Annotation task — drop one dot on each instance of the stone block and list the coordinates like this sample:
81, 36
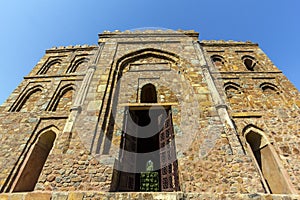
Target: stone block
38, 196
212, 163
4, 196
60, 196
76, 196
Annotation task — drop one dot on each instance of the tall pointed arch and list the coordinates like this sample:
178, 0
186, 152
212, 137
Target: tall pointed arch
30, 96
167, 171
34, 161
274, 177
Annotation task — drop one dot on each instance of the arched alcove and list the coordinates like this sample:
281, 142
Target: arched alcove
34, 163
249, 62
269, 88
28, 101
218, 61
131, 173
232, 89
274, 177
55, 63
271, 95
62, 100
65, 101
148, 94
77, 64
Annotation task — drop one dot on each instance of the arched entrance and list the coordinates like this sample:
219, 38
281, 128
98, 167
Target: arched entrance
148, 137
137, 145
275, 179
28, 177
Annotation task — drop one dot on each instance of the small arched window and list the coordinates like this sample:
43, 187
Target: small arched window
249, 62
35, 162
218, 60
148, 94
232, 89
269, 88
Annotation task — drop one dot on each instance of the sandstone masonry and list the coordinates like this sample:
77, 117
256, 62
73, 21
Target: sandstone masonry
216, 119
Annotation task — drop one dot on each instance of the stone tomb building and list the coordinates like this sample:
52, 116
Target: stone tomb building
152, 114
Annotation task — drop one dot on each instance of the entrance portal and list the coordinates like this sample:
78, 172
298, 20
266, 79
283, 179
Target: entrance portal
148, 154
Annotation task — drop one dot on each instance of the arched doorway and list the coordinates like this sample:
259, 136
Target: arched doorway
275, 179
30, 173
148, 136
148, 94
126, 168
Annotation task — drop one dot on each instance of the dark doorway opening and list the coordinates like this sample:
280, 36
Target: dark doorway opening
147, 144
35, 163
148, 94
265, 157
143, 142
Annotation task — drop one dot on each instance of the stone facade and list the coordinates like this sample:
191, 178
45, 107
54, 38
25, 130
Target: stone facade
233, 114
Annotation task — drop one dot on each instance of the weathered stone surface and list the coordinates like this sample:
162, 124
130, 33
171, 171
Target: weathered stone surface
4, 197
89, 195
80, 93
37, 196
60, 196
75, 196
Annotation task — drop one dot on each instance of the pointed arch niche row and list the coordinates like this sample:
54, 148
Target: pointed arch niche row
274, 177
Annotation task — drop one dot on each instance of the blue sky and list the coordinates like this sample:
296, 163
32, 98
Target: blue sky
30, 27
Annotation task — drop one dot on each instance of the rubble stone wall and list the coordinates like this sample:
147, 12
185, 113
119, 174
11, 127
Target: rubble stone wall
82, 91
